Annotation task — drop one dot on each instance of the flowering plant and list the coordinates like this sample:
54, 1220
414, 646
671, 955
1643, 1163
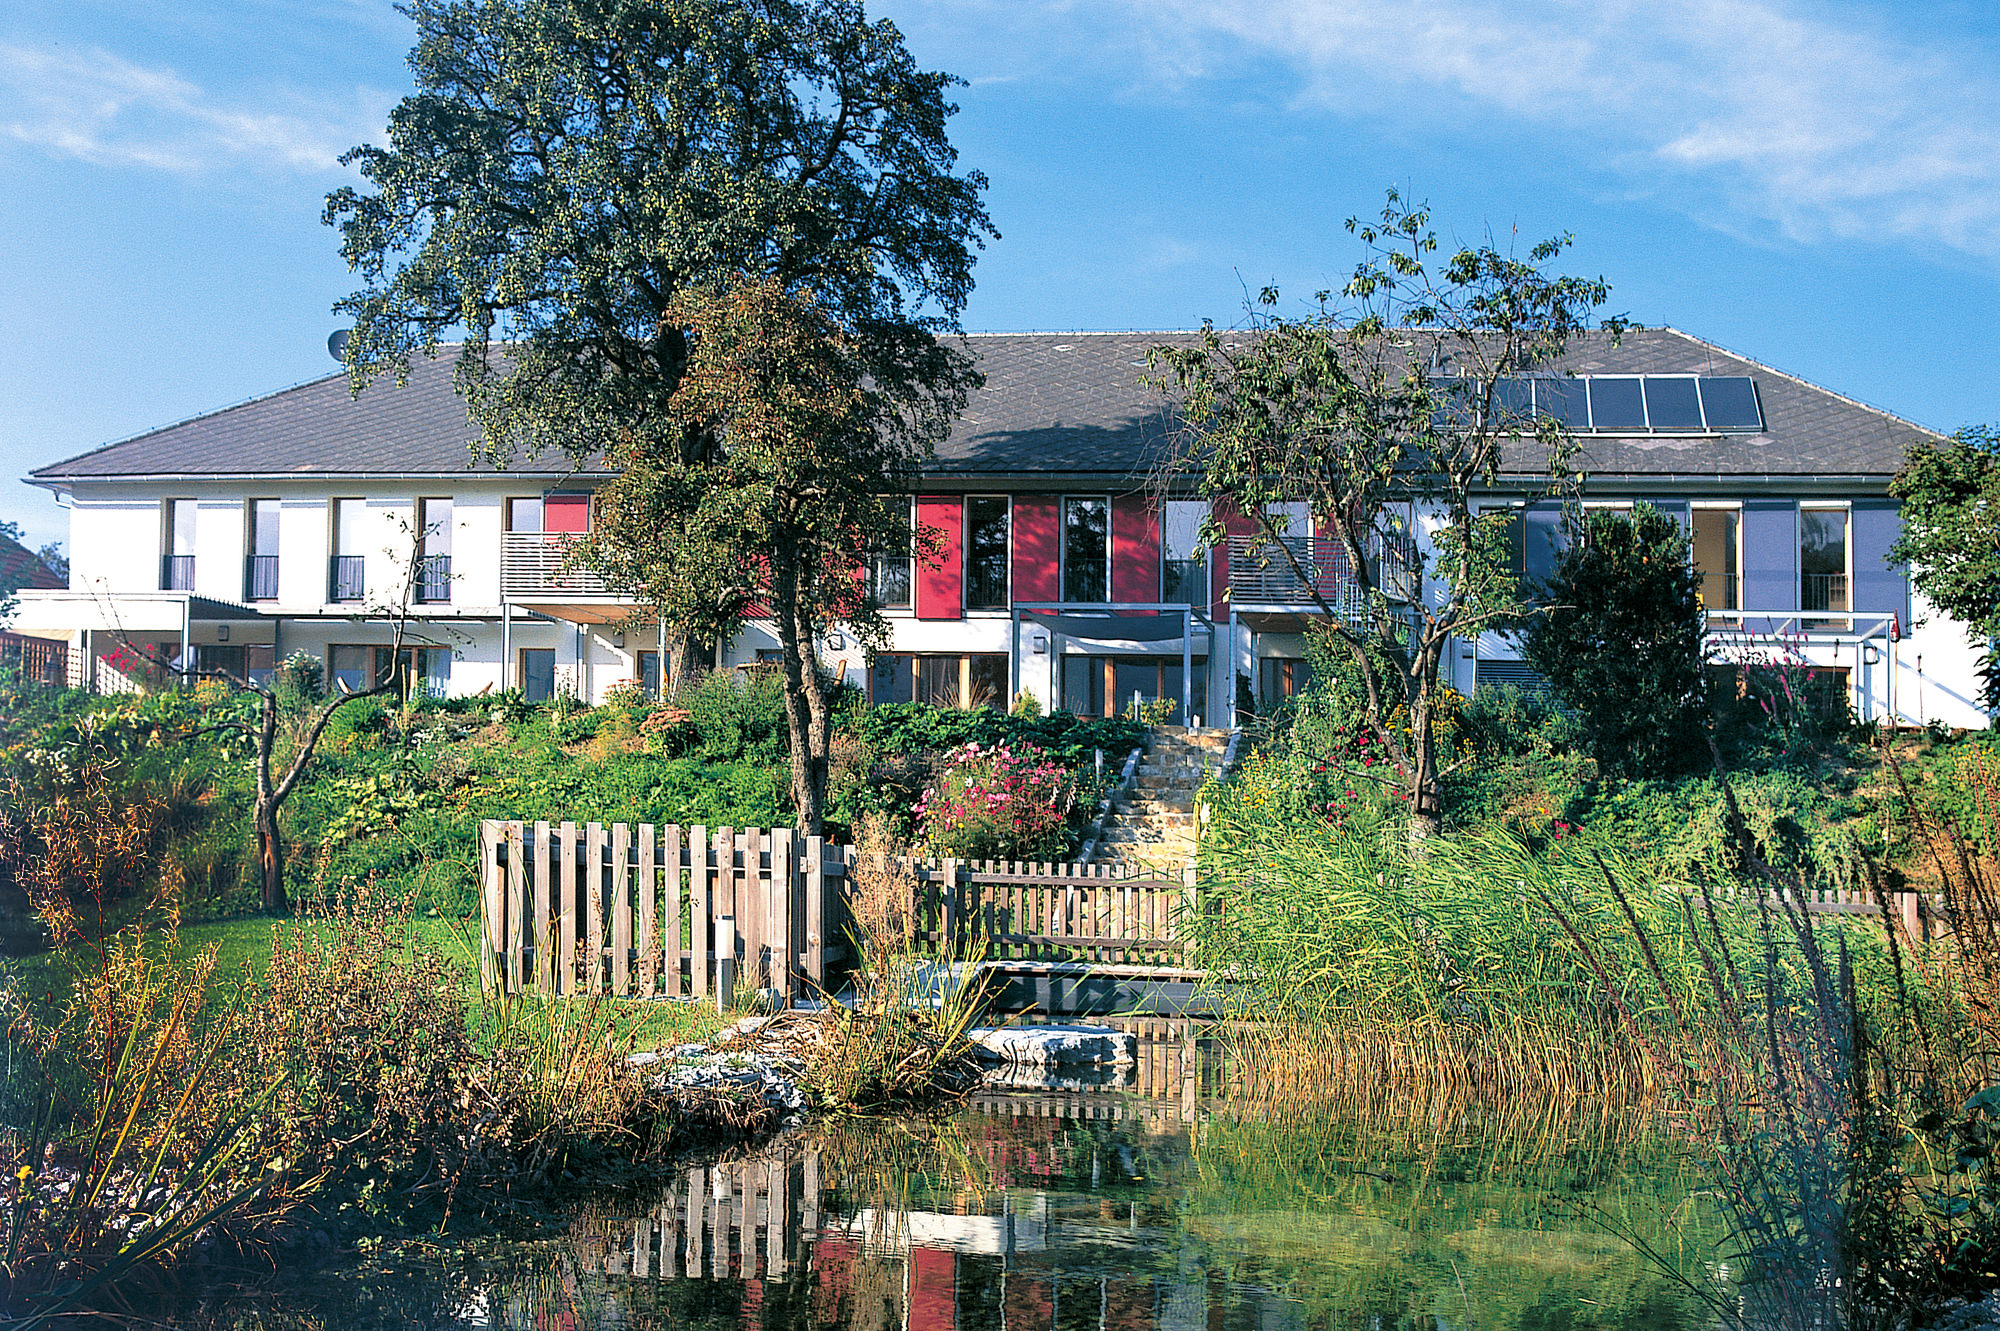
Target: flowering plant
1000, 801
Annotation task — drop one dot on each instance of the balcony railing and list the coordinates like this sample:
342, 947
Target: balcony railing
1262, 574
176, 573
260, 577
347, 578
433, 578
1718, 594
534, 562
1823, 592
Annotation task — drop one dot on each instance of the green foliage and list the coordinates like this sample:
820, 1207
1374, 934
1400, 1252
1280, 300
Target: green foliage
1621, 643
1344, 409
1951, 535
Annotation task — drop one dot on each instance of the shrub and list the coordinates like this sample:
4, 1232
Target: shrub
1621, 643
1006, 802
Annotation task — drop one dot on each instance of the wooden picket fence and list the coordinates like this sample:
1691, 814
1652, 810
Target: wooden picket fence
666, 911
657, 911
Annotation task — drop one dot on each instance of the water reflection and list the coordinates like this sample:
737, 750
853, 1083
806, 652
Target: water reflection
1107, 1209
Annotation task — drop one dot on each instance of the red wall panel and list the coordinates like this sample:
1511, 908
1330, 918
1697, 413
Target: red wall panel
933, 1289
1135, 549
1037, 548
569, 513
1235, 523
940, 582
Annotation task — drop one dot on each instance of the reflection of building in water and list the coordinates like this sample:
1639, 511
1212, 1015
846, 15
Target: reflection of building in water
1018, 1259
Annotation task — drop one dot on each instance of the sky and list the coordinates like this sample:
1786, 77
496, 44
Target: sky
1816, 186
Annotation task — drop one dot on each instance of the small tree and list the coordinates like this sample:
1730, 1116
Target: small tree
1951, 536
1385, 412
803, 476
1621, 642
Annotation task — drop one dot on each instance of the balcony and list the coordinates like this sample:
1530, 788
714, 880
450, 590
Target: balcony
176, 573
1262, 574
432, 577
347, 578
534, 563
260, 577
1718, 594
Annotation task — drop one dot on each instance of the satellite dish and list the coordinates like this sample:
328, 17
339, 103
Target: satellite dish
336, 344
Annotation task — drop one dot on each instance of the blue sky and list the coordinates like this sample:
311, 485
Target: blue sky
1815, 185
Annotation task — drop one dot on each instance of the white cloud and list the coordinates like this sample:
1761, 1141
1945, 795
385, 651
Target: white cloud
1816, 128
99, 107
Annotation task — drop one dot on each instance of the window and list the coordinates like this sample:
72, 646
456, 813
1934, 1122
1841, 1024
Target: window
1823, 559
1717, 536
538, 673
177, 553
649, 671
1280, 679
889, 576
986, 553
1086, 571
1183, 571
524, 514
567, 513
347, 573
942, 681
260, 565
358, 669
432, 576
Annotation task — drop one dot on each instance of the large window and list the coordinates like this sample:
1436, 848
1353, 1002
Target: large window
260, 565
538, 673
177, 552
433, 571
1086, 571
1823, 559
889, 577
524, 514
347, 574
1183, 571
1717, 537
986, 553
357, 669
942, 681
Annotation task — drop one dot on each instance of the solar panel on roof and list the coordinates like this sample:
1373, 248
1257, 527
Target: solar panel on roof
1671, 403
1616, 403
1564, 399
1513, 401
1730, 402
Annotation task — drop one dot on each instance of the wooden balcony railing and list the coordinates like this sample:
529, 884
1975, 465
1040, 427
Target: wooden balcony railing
533, 562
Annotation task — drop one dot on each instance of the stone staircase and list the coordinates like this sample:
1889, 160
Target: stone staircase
1152, 825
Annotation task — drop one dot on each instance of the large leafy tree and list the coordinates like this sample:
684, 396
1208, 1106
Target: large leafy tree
1951, 535
1621, 642
573, 178
804, 474
1387, 410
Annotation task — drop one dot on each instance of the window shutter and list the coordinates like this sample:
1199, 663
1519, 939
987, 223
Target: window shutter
1770, 558
940, 585
1135, 549
1880, 588
1037, 548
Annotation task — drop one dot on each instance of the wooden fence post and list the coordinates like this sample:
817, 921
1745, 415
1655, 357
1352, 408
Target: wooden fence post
621, 909
671, 904
490, 889
814, 881
698, 918
725, 962
545, 942
784, 886
594, 906
649, 937
514, 928
948, 909
566, 909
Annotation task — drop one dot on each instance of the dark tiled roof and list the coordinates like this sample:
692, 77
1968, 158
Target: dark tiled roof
21, 567
1054, 405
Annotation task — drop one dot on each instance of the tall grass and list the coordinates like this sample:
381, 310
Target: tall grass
1487, 962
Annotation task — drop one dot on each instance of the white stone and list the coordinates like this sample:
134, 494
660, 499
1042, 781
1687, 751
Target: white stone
1043, 1045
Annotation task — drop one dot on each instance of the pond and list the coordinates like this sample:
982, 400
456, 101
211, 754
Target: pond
1105, 1208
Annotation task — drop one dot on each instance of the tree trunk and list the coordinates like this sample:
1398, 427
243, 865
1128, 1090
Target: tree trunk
806, 790
270, 842
679, 663
1426, 786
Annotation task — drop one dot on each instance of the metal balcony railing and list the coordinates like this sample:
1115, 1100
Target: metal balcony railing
1719, 594
347, 578
176, 573
433, 578
533, 562
1823, 592
1261, 574
260, 577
